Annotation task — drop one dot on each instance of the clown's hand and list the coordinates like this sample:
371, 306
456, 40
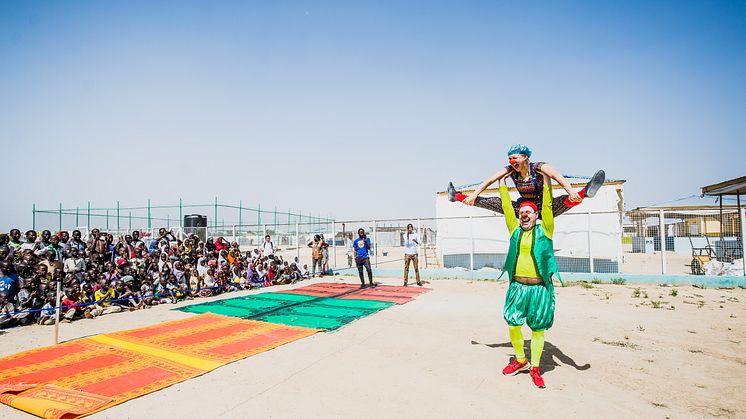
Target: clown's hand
469, 200
574, 196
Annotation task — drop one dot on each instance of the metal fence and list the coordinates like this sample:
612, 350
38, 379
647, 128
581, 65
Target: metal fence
681, 242
694, 242
150, 215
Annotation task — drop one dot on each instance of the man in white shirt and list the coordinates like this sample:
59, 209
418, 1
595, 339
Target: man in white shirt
31, 243
269, 247
411, 247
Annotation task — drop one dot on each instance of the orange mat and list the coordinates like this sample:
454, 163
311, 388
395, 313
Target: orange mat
393, 294
87, 375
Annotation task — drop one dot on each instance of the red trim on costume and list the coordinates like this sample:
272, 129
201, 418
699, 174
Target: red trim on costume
574, 204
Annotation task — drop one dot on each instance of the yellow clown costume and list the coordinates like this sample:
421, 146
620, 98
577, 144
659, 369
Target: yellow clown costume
530, 265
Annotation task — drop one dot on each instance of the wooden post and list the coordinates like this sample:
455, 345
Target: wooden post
662, 234
57, 314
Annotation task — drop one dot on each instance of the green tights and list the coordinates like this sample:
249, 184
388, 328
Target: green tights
537, 344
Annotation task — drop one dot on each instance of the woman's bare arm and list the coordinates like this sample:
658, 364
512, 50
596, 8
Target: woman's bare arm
469, 200
554, 174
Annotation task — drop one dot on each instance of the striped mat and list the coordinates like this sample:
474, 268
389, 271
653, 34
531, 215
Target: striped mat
392, 294
292, 309
86, 375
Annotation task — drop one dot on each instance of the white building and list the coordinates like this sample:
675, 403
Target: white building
590, 233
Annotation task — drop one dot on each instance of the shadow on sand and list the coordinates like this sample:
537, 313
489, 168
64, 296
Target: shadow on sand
550, 359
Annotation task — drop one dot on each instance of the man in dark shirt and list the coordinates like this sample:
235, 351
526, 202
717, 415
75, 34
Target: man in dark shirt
98, 247
77, 243
362, 247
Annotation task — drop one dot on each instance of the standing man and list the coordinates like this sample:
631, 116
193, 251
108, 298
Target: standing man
77, 243
268, 249
96, 245
362, 247
411, 247
530, 265
349, 257
324, 255
317, 255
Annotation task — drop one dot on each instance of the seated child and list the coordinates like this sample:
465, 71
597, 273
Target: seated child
47, 315
6, 311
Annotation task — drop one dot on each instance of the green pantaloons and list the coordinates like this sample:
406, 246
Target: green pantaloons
530, 304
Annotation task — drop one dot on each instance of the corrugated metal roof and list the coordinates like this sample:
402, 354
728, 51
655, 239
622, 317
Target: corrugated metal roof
733, 187
693, 202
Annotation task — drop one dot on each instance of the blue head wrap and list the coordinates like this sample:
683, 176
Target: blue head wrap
519, 149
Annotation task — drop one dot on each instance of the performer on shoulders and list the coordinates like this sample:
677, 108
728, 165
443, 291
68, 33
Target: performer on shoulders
529, 180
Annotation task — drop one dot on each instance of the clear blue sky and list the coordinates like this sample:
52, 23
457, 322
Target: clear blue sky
361, 109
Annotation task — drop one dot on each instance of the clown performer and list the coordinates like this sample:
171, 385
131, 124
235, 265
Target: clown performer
530, 265
528, 178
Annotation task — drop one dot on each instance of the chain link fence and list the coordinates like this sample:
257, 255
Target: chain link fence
669, 242
695, 242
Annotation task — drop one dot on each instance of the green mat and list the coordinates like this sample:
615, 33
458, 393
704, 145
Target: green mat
292, 309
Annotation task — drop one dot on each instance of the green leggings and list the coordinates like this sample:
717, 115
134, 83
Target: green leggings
537, 344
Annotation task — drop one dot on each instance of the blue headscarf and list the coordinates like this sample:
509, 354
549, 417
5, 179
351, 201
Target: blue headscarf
519, 149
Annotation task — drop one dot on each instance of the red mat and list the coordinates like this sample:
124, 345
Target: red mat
86, 375
390, 293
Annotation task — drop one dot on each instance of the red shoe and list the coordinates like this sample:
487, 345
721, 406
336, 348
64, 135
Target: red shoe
536, 377
515, 367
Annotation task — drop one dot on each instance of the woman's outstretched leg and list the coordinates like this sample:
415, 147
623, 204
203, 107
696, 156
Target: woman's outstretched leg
589, 191
492, 203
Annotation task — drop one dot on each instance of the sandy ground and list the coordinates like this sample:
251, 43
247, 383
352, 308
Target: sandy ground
611, 353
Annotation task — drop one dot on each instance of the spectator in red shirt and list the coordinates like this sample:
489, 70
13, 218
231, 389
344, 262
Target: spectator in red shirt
220, 244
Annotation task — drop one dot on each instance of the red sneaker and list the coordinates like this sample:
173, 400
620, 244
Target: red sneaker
536, 377
515, 367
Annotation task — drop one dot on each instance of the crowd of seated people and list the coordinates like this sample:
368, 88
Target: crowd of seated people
104, 274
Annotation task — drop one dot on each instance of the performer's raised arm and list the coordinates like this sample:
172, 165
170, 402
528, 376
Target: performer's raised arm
547, 216
510, 219
554, 174
469, 200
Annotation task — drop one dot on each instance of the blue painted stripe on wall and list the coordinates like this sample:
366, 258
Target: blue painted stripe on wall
492, 275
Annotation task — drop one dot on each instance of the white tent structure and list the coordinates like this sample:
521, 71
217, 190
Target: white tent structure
588, 238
